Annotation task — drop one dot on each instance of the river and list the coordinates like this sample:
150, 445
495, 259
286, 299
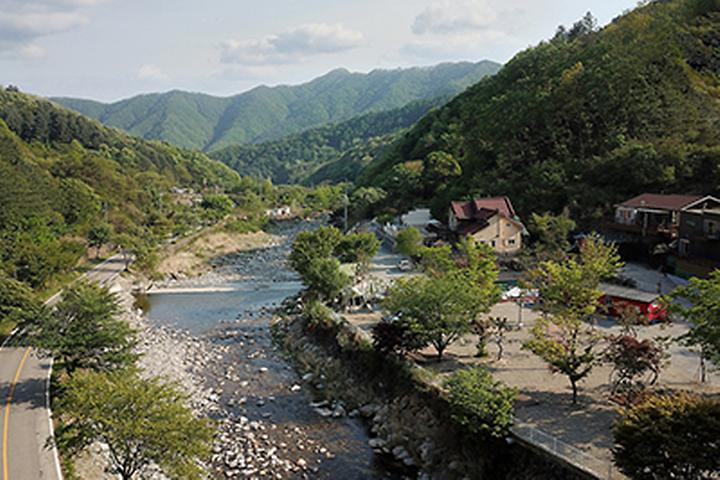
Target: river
231, 308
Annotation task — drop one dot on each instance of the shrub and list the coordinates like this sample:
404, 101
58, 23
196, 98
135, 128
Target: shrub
395, 338
480, 403
669, 437
317, 315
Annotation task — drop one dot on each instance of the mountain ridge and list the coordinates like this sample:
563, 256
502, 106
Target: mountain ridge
579, 122
265, 113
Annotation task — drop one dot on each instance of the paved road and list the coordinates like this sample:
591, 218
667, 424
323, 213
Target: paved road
27, 453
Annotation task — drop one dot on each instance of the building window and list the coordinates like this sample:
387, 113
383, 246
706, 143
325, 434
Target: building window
511, 241
492, 242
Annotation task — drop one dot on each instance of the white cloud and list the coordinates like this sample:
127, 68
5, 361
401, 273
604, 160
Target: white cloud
151, 72
33, 25
292, 45
24, 22
455, 16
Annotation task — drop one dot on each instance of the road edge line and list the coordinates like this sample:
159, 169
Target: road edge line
6, 418
51, 426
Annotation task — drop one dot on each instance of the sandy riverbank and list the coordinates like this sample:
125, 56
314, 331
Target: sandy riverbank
197, 256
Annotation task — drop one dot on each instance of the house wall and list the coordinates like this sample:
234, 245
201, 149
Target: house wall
452, 221
503, 235
700, 234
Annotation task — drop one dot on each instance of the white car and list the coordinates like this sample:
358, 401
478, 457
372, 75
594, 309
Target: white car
405, 265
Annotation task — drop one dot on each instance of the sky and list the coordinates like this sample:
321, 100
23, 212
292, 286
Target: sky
112, 49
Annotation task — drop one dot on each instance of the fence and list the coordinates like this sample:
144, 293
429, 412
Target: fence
601, 469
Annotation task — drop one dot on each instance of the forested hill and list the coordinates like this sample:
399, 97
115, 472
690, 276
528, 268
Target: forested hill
65, 178
583, 120
204, 122
299, 157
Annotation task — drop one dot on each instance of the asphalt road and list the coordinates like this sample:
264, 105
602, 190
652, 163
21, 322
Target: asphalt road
25, 438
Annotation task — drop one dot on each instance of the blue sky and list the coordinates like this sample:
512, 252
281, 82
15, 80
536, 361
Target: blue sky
111, 49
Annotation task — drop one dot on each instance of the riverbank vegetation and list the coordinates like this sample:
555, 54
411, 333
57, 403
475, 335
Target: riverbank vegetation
99, 395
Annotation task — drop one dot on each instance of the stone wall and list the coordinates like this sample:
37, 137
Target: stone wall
403, 406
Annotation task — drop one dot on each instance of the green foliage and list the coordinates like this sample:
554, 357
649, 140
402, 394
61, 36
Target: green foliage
443, 306
669, 437
84, 330
318, 315
210, 123
99, 235
357, 247
480, 403
409, 241
552, 236
308, 246
564, 337
143, 422
324, 278
217, 206
703, 314
326, 154
582, 122
64, 178
18, 304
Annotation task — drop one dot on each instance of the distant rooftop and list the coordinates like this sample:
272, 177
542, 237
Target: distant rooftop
662, 202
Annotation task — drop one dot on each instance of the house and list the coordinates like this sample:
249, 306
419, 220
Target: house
699, 237
618, 299
488, 220
419, 219
279, 213
652, 216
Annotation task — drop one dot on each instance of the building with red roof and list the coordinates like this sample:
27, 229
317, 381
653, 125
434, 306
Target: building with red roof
488, 220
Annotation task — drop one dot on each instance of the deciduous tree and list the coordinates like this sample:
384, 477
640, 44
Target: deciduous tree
564, 337
669, 437
143, 422
84, 330
704, 316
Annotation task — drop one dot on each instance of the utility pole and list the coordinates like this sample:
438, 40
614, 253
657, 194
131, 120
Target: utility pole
346, 201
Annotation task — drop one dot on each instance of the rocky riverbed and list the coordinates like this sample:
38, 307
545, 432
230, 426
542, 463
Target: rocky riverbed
269, 423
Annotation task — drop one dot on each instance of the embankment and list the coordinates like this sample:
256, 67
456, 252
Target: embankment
403, 405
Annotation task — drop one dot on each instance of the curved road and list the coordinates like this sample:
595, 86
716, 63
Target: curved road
28, 452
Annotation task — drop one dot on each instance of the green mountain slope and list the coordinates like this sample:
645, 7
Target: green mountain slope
295, 157
581, 121
62, 175
204, 122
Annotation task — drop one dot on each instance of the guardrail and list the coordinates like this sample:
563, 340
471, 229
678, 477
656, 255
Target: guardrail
598, 468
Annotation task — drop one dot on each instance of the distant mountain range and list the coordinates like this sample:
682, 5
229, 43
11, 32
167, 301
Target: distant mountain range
330, 153
205, 122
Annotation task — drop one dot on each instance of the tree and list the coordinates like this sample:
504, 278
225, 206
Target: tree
443, 306
409, 241
564, 337
357, 248
98, 236
480, 403
84, 330
393, 337
142, 421
632, 360
324, 278
129, 247
704, 315
308, 246
18, 303
669, 437
217, 207
551, 233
